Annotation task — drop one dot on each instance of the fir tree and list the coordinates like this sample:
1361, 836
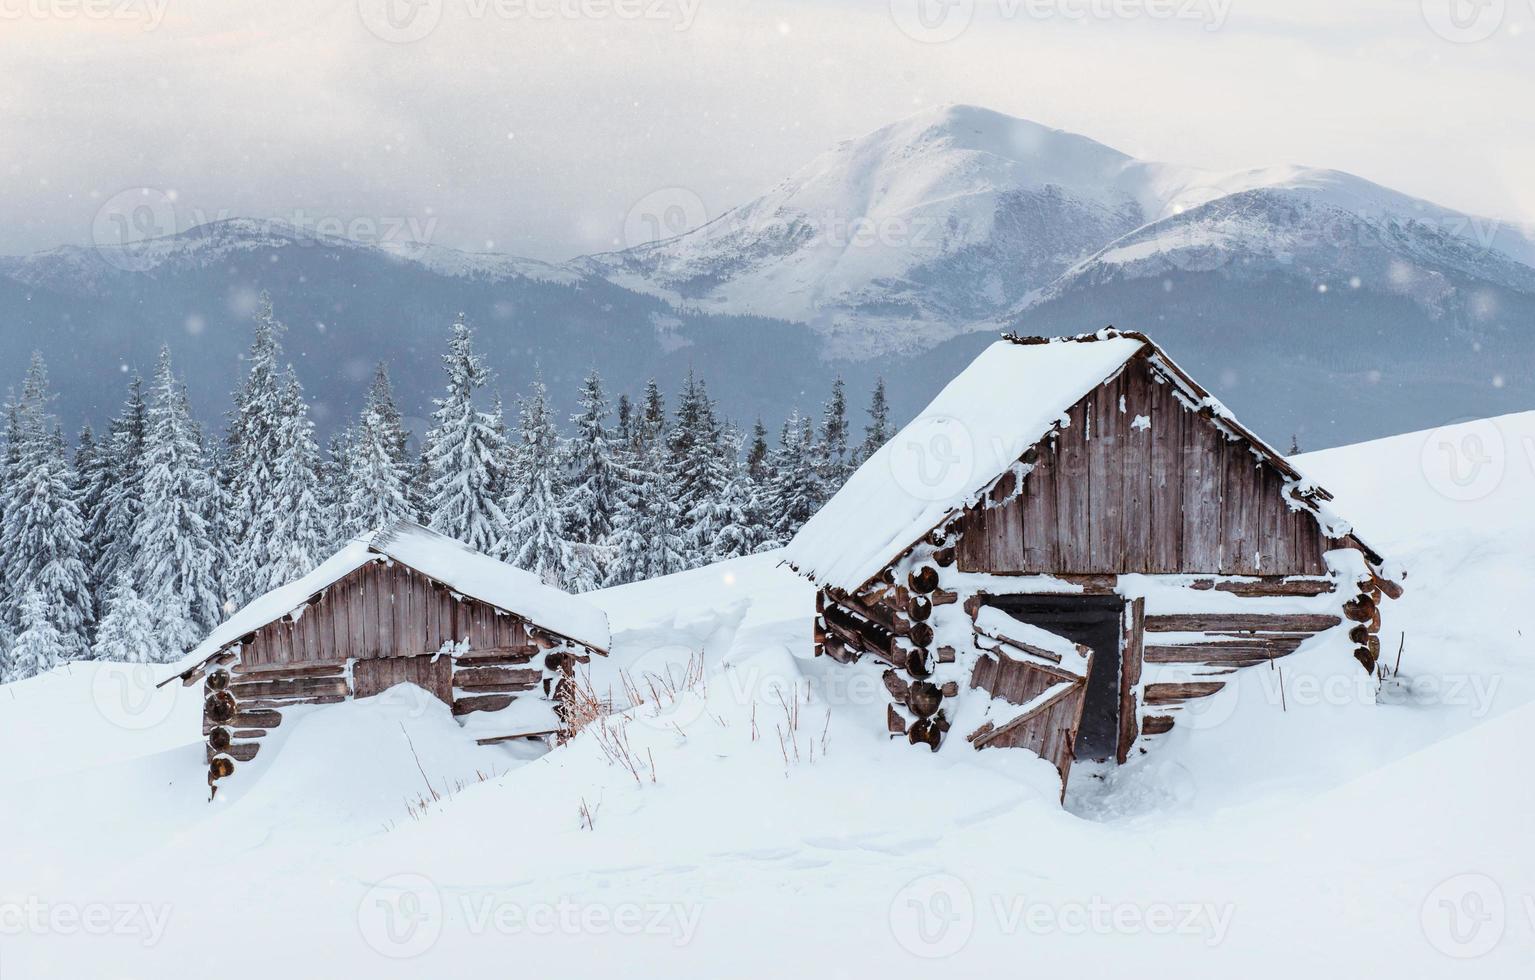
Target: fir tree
175, 567
296, 517
623, 431
877, 432
93, 475
252, 463
41, 539
651, 427
594, 477
757, 454
39, 646
466, 454
833, 451
794, 492
112, 526
378, 475
537, 540
647, 538
128, 632
699, 466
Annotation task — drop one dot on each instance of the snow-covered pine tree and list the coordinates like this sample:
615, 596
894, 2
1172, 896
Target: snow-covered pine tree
175, 558
651, 426
128, 631
110, 533
41, 539
378, 475
721, 526
39, 646
700, 466
594, 477
833, 444
251, 461
647, 538
296, 520
877, 432
757, 453
795, 491
93, 480
537, 540
466, 454
623, 430
335, 479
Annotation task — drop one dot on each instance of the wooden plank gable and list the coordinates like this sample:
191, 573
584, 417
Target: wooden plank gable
1138, 480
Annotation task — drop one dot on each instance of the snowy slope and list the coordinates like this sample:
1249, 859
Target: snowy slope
767, 824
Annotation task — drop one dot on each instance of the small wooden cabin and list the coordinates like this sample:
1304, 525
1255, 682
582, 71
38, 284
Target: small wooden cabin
1078, 531
401, 605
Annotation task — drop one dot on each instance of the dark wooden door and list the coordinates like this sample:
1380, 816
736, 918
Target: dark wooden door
1094, 622
370, 677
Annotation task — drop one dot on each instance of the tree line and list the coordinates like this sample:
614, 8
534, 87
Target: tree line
135, 542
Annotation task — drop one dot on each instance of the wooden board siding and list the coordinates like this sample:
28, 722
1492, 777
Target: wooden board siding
370, 677
1177, 497
381, 610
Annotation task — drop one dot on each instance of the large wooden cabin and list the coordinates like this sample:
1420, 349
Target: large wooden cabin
401, 605
1077, 530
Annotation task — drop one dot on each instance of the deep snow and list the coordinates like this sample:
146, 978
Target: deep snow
1323, 833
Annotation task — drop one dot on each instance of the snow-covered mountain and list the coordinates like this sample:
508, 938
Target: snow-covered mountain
960, 217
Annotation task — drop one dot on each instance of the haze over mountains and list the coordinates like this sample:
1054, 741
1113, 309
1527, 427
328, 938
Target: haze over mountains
1313, 302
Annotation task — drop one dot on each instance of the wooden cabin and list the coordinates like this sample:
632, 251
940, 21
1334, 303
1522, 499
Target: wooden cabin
401, 605
1080, 533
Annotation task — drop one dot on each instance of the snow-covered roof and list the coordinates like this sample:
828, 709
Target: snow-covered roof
980, 424
450, 562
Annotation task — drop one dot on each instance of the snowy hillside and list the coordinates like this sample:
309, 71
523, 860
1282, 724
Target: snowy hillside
751, 817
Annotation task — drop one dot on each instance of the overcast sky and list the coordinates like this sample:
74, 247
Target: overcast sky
535, 126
